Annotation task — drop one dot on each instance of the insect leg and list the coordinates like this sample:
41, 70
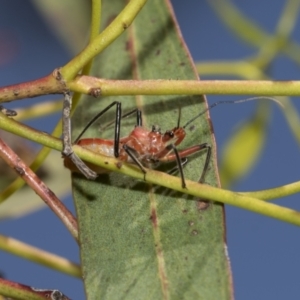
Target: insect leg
207, 160
118, 127
95, 118
117, 132
184, 161
130, 151
197, 148
67, 145
138, 118
117, 123
180, 164
189, 151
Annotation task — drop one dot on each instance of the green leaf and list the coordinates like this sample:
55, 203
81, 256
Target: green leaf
244, 147
140, 241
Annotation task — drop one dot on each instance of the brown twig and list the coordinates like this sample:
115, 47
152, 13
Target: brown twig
39, 187
50, 84
20, 291
67, 144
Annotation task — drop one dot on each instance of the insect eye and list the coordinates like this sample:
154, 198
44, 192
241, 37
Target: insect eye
170, 134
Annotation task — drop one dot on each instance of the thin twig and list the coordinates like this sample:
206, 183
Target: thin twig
162, 179
20, 291
39, 187
51, 84
39, 256
67, 144
107, 87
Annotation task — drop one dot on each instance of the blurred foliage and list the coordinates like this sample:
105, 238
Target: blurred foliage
245, 146
240, 154
68, 20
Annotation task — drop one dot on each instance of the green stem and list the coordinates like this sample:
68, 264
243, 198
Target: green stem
103, 40
94, 30
95, 19
159, 178
248, 70
39, 256
288, 18
39, 110
275, 44
247, 30
243, 69
86, 85
278, 192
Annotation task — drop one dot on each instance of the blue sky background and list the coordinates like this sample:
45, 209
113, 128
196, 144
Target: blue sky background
263, 251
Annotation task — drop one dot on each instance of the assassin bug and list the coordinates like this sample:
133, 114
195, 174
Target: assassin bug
142, 146
147, 148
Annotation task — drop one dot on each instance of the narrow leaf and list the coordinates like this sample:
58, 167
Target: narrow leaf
140, 241
244, 147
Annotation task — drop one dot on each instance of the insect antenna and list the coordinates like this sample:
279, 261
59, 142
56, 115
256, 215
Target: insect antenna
179, 117
230, 102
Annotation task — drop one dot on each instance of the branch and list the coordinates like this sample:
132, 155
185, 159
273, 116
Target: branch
192, 188
21, 291
39, 187
105, 87
103, 40
51, 84
39, 256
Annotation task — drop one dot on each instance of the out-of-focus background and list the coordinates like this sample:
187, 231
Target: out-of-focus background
263, 251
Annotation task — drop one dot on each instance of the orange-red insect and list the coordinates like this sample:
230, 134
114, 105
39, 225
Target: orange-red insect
144, 147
